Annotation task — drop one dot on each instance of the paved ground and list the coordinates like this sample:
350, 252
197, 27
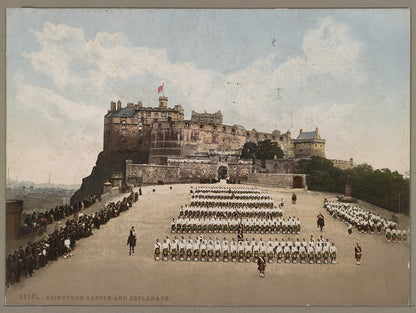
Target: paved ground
102, 272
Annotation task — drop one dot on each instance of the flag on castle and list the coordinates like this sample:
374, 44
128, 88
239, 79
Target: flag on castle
160, 88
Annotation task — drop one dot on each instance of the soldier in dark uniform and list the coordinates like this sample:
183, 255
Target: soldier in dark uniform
261, 262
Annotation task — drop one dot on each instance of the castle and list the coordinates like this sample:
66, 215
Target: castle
149, 145
209, 148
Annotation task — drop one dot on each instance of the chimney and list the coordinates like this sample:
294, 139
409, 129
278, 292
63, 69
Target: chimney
301, 130
317, 133
113, 106
130, 105
118, 105
140, 104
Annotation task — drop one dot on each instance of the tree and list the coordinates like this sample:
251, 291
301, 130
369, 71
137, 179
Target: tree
381, 187
268, 149
249, 150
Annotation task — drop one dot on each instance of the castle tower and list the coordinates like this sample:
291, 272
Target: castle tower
163, 102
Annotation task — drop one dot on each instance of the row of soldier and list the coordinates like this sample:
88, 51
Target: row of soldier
365, 221
61, 241
396, 235
229, 212
219, 189
233, 203
227, 195
200, 249
247, 225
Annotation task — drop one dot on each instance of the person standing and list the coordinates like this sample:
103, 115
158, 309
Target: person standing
261, 265
358, 253
132, 240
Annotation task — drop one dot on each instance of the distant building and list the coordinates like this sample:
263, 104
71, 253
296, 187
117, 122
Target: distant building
344, 165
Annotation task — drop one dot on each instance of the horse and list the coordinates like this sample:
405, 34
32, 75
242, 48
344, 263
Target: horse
132, 242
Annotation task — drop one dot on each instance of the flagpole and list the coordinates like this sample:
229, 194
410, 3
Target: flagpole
163, 89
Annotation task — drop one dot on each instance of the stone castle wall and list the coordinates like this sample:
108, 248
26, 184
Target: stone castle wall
275, 180
183, 172
188, 138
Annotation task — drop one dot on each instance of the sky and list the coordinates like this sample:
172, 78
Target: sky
346, 71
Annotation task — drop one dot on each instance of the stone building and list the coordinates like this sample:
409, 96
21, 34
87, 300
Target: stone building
343, 164
129, 128
213, 118
309, 144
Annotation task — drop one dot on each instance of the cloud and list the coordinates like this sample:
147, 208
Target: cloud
319, 87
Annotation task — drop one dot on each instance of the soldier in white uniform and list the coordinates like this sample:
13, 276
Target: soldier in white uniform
165, 250
188, 250
279, 253
302, 254
388, 234
248, 251
325, 252
270, 252
233, 249
318, 253
203, 247
174, 248
287, 253
225, 250
157, 250
240, 251
311, 254
217, 248
333, 252
210, 249
195, 248
256, 251
182, 249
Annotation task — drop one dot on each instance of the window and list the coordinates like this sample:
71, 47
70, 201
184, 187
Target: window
159, 125
142, 115
224, 128
281, 138
163, 114
123, 132
201, 126
123, 122
233, 130
248, 134
156, 115
187, 124
140, 131
169, 114
149, 114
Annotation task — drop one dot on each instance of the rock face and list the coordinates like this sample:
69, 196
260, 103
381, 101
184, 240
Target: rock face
108, 162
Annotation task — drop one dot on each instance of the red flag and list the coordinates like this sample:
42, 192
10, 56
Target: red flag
160, 89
